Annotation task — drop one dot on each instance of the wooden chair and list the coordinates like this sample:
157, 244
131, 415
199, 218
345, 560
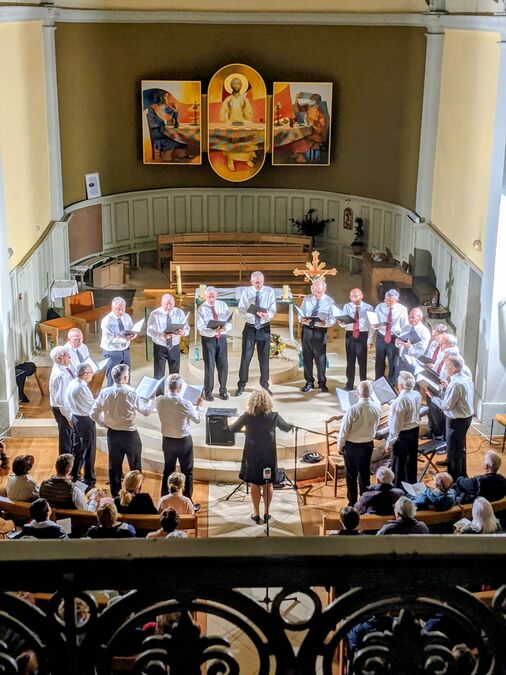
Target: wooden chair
500, 419
81, 308
50, 330
333, 460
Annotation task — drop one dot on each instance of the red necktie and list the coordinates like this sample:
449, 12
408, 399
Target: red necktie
388, 331
215, 318
70, 373
440, 366
436, 352
355, 324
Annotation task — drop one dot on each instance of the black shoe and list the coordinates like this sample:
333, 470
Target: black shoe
256, 519
224, 395
24, 399
442, 462
208, 397
268, 391
240, 390
324, 388
267, 517
307, 387
196, 508
426, 437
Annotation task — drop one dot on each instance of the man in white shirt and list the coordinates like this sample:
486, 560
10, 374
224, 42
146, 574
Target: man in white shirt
175, 414
359, 336
435, 416
457, 405
115, 408
314, 334
80, 402
408, 351
355, 441
214, 342
60, 378
166, 345
403, 428
115, 341
395, 317
435, 345
76, 348
257, 330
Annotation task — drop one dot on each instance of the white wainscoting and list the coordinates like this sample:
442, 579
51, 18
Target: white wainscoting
30, 284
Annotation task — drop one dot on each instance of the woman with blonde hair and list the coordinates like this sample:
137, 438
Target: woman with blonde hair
175, 499
260, 422
131, 499
108, 526
484, 520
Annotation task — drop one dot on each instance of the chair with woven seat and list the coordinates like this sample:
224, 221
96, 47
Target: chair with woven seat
81, 308
500, 419
51, 329
333, 460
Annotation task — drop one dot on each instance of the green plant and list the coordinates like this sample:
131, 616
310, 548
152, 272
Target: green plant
359, 232
310, 225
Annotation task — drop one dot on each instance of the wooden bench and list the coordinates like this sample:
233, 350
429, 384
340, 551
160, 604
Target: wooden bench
50, 330
81, 309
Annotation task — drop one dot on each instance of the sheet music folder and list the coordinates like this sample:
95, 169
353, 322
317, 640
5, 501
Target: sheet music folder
213, 324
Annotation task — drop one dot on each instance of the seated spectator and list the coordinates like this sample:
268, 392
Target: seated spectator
381, 497
350, 520
491, 484
169, 522
20, 485
131, 499
108, 527
59, 490
6, 526
175, 499
41, 527
441, 498
405, 521
484, 520
4, 460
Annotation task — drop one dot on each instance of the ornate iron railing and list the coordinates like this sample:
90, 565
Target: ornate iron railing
254, 606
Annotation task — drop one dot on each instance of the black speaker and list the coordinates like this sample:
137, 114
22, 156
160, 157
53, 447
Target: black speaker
217, 432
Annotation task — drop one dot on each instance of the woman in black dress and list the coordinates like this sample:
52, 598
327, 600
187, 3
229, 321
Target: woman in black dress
131, 499
259, 423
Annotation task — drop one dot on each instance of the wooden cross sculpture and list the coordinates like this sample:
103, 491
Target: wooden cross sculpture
315, 270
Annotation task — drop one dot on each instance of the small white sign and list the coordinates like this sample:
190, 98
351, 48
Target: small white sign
92, 185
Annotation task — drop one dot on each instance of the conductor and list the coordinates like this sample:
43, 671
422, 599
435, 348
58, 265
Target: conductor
259, 422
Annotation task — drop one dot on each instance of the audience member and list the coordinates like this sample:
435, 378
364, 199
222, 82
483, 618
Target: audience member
175, 499
169, 522
491, 484
59, 490
108, 527
350, 520
405, 521
41, 527
381, 497
131, 499
484, 520
440, 498
6, 526
20, 485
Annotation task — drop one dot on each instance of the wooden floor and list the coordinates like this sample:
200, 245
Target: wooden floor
320, 499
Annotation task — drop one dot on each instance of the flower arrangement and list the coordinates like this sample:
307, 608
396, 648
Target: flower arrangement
311, 225
277, 347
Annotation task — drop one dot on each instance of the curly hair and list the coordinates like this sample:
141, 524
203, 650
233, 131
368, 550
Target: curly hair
259, 403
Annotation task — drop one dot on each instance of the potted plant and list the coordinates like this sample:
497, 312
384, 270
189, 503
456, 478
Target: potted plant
310, 225
358, 244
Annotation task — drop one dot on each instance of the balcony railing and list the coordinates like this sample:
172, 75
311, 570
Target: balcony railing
230, 597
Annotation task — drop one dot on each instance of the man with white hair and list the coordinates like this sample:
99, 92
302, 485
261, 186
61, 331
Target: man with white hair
394, 316
76, 348
257, 330
359, 336
457, 405
355, 441
380, 497
116, 408
435, 416
314, 334
80, 402
403, 428
405, 521
166, 345
406, 348
60, 378
491, 484
435, 345
214, 342
439, 498
115, 340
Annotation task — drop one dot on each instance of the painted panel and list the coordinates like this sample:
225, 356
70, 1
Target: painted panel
280, 215
140, 208
179, 213
213, 213
247, 213
107, 236
264, 214
364, 214
230, 203
388, 230
160, 215
121, 221
196, 216
333, 211
399, 244
297, 208
377, 230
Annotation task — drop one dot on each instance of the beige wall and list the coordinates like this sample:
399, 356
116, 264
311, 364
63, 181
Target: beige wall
377, 72
464, 144
23, 135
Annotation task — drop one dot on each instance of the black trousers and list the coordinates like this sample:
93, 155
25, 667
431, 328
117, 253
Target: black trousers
121, 444
67, 437
404, 457
356, 350
357, 462
171, 354
87, 433
115, 358
386, 352
456, 430
178, 449
314, 350
260, 337
215, 354
436, 421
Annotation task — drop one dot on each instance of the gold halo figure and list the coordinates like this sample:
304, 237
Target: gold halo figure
244, 83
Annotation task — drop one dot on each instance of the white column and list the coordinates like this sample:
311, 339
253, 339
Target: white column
491, 362
53, 122
8, 391
430, 116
